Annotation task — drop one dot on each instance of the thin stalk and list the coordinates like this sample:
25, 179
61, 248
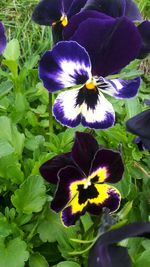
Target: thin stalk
50, 116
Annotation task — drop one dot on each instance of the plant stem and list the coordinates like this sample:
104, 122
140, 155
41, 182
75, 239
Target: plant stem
50, 116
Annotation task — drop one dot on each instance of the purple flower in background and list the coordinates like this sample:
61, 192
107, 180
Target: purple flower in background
129, 9
112, 43
106, 251
56, 13
115, 8
2, 38
82, 177
68, 65
140, 126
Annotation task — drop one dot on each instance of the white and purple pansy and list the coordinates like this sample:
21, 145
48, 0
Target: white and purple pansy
68, 65
2, 38
83, 177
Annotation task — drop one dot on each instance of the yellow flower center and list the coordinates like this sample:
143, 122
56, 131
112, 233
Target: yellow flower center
64, 20
90, 84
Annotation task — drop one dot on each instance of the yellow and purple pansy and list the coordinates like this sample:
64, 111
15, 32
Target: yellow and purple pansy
84, 179
67, 65
2, 38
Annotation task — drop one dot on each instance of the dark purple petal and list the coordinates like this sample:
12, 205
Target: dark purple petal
132, 11
49, 170
140, 124
88, 107
76, 20
2, 38
48, 11
75, 7
67, 4
83, 151
66, 65
139, 229
105, 250
119, 88
110, 256
115, 8
67, 176
145, 143
112, 161
113, 45
144, 30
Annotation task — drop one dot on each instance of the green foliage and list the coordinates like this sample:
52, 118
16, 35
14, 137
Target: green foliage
30, 197
37, 260
13, 253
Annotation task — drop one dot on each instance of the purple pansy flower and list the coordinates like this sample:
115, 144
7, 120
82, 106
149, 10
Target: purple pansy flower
106, 251
83, 178
56, 13
68, 65
140, 126
111, 43
2, 38
124, 8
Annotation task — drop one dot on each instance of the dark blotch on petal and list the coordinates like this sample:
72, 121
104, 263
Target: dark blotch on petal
88, 193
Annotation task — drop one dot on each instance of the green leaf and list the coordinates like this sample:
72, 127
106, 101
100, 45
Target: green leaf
86, 221
12, 51
51, 229
14, 253
68, 264
5, 148
143, 260
5, 227
124, 186
5, 88
10, 169
133, 107
37, 260
10, 133
31, 195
